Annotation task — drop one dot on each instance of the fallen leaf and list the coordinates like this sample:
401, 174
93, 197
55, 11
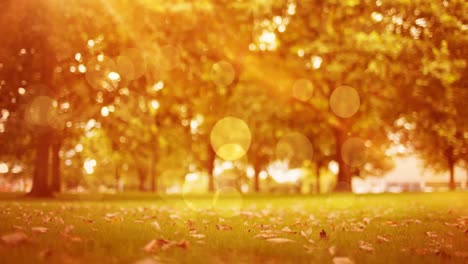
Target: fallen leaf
155, 224
151, 246
15, 238
199, 236
45, 253
382, 239
39, 229
223, 227
365, 246
342, 260
279, 240
148, 261
323, 235
332, 250
288, 230
264, 236
183, 244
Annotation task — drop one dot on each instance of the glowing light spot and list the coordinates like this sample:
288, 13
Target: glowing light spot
89, 166
191, 177
100, 74
268, 39
354, 152
377, 17
81, 68
65, 106
316, 62
250, 172
21, 91
278, 20
105, 111
113, 76
295, 149
222, 73
333, 167
78, 57
158, 86
300, 53
91, 43
79, 148
4, 168
227, 202
155, 104
291, 8
263, 175
281, 28
303, 89
344, 101
230, 138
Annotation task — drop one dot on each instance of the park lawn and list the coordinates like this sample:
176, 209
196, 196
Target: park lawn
385, 228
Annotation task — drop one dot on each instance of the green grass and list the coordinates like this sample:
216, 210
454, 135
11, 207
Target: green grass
402, 219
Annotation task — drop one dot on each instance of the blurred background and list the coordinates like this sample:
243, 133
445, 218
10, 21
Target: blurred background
277, 96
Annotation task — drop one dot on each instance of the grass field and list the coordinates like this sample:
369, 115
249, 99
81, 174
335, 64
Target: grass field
403, 228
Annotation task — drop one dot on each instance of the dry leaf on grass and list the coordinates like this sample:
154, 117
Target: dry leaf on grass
279, 240
223, 227
14, 239
39, 229
162, 244
382, 239
332, 250
323, 235
156, 225
148, 261
199, 236
365, 246
342, 260
288, 230
45, 253
264, 236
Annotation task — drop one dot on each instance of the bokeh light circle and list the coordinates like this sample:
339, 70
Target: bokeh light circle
196, 200
169, 57
222, 73
303, 89
230, 138
125, 67
227, 202
42, 111
295, 148
344, 101
354, 152
97, 73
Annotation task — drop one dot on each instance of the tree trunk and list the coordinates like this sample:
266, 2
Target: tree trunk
210, 167
344, 173
141, 178
451, 165
257, 178
152, 171
40, 182
317, 178
117, 178
56, 178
